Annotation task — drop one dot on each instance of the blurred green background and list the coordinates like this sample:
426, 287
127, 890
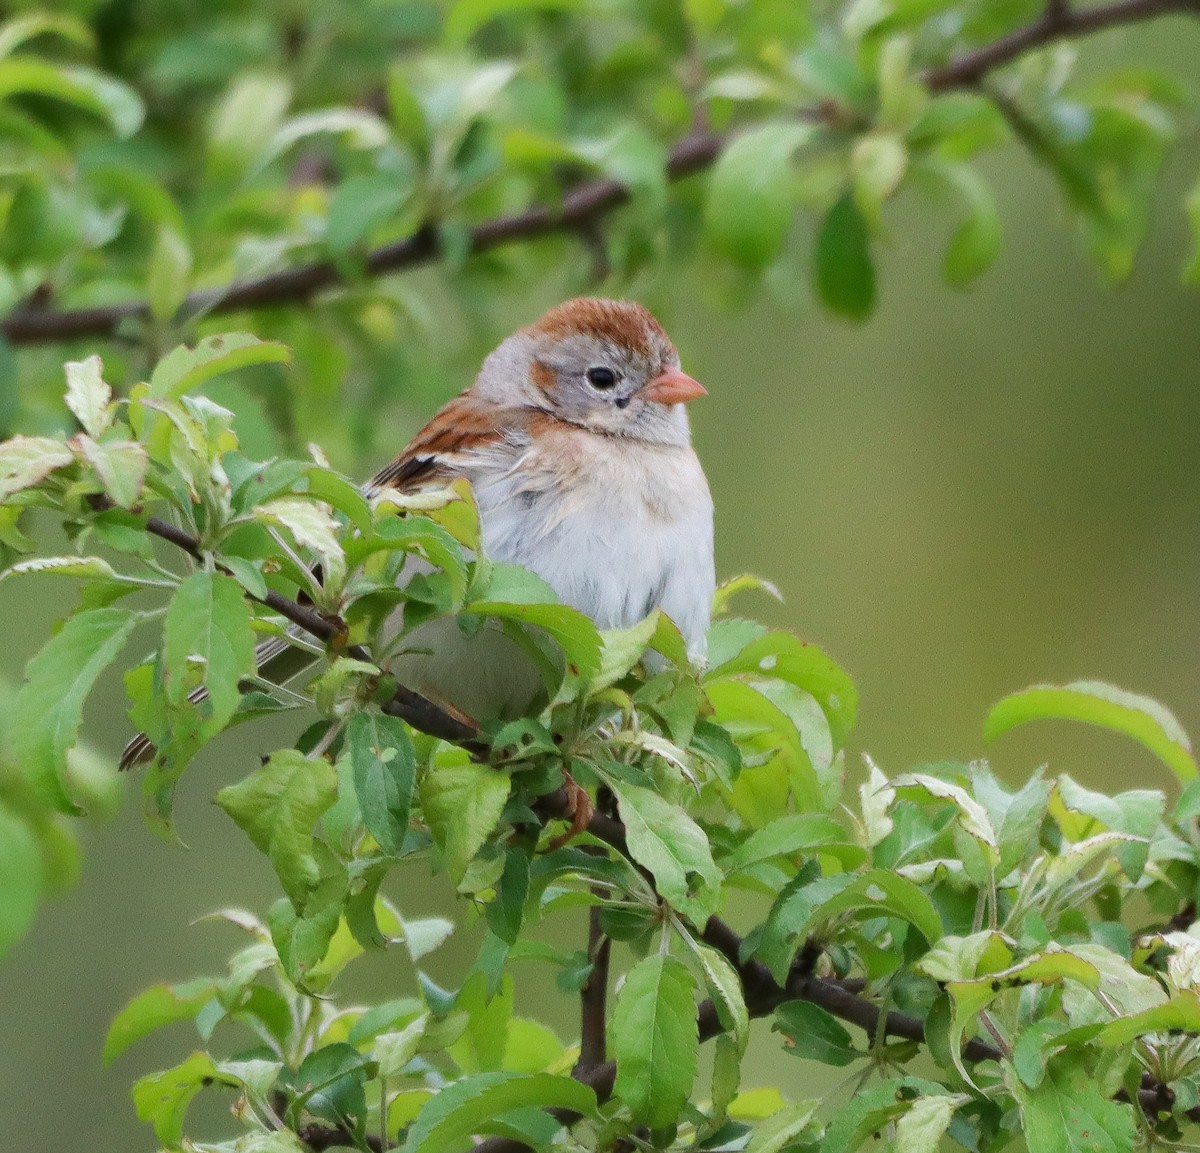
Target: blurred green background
971, 493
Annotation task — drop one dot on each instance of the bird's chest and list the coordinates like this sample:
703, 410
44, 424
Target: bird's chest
603, 522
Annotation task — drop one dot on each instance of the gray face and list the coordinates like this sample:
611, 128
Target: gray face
596, 383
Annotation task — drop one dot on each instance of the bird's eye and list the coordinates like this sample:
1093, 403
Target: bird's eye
601, 377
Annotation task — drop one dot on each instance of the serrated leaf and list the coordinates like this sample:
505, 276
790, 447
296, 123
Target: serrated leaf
312, 527
76, 566
665, 840
152, 1009
332, 1081
88, 397
27, 460
384, 775
1069, 1113
471, 1105
814, 1034
845, 273
920, 1130
725, 989
462, 804
394, 1050
278, 807
184, 368
208, 640
50, 702
785, 836
120, 464
655, 1040
785, 657
1097, 703
784, 1128
751, 193
574, 633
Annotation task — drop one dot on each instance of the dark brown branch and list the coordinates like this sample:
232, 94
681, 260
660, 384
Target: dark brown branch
593, 998
1057, 22
582, 206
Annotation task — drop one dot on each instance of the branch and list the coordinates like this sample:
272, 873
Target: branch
410, 706
581, 208
1057, 22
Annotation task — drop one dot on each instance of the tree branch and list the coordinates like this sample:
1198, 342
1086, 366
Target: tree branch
582, 206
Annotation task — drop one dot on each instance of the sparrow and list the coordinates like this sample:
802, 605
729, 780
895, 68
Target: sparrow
575, 440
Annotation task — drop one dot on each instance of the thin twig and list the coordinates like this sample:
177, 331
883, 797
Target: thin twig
581, 207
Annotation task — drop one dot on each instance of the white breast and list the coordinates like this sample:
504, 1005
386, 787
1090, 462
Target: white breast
616, 527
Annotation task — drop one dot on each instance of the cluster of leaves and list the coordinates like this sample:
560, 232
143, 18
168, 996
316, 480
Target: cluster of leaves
155, 149
984, 930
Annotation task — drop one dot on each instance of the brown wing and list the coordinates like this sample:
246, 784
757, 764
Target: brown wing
442, 449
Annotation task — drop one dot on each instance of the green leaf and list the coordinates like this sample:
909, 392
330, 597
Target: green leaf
184, 368
362, 204
1180, 1014
655, 1040
462, 804
208, 640
1097, 703
332, 1082
921, 1129
784, 837
80, 86
88, 397
167, 274
50, 703
312, 527
466, 17
845, 273
814, 1034
162, 1099
976, 241
665, 840
360, 128
394, 1050
472, 1105
1069, 1113
278, 807
76, 566
120, 464
725, 988
22, 875
384, 774
302, 940
575, 633
27, 460
787, 658
880, 892
152, 1009
878, 162
21, 29
751, 193
784, 1128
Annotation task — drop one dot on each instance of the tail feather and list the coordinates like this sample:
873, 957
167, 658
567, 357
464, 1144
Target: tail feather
276, 661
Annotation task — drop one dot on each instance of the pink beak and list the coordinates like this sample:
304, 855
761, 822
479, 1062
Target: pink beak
673, 387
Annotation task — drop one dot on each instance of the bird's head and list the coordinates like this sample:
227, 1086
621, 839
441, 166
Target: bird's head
605, 365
